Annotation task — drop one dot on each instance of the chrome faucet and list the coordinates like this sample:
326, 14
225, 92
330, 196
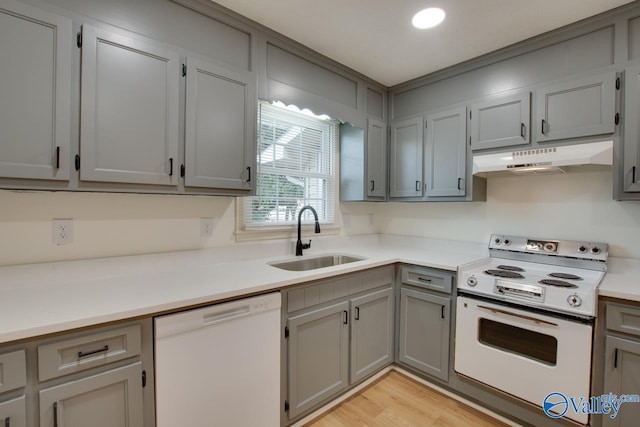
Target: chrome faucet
299, 245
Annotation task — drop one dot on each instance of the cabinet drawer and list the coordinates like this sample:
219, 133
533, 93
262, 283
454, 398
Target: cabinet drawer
623, 318
13, 371
87, 351
427, 278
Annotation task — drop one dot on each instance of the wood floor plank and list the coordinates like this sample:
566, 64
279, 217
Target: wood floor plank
396, 401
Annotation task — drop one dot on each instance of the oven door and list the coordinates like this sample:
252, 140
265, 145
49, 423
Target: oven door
523, 353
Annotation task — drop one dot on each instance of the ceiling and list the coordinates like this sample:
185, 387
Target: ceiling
375, 37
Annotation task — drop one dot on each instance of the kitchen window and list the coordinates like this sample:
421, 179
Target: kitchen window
295, 167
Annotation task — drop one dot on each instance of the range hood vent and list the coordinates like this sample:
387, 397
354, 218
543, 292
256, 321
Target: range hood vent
537, 161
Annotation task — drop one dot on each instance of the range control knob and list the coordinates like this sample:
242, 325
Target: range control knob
574, 300
507, 242
582, 249
550, 247
472, 281
497, 241
595, 250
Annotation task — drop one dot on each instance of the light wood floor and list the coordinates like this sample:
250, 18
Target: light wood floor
396, 400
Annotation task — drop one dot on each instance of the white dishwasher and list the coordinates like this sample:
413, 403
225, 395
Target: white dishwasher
219, 365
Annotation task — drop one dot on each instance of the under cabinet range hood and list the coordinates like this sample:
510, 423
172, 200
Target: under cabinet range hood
545, 160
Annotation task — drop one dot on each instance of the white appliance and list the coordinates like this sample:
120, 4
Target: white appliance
524, 321
219, 365
546, 159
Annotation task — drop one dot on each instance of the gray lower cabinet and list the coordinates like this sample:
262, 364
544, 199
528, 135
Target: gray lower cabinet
576, 108
501, 121
13, 377
35, 106
622, 376
445, 153
405, 158
371, 333
220, 135
129, 109
13, 412
424, 320
318, 356
630, 174
109, 399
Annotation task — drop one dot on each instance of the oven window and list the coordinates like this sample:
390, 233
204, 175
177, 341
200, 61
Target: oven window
534, 345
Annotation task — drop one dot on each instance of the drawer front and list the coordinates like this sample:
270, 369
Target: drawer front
13, 371
427, 278
77, 354
623, 318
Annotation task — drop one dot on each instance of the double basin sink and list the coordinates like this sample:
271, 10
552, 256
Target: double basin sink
305, 264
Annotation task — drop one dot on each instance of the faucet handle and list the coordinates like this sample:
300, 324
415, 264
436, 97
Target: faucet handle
306, 245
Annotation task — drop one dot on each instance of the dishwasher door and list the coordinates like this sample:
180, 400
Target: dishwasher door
219, 365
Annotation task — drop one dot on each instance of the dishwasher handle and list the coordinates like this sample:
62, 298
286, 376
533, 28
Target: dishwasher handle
217, 316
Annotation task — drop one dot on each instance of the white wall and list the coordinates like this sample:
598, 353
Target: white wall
108, 224
574, 206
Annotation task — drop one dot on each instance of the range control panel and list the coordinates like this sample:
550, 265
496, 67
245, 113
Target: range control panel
562, 248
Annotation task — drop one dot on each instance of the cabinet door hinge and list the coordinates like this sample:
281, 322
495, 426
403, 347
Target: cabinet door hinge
184, 70
182, 171
617, 118
144, 379
618, 83
286, 332
79, 39
77, 162
286, 406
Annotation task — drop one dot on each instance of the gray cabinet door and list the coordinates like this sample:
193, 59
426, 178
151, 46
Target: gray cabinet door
109, 399
405, 163
35, 93
318, 351
13, 412
577, 108
424, 332
501, 121
129, 110
445, 153
631, 147
220, 126
622, 376
376, 159
371, 333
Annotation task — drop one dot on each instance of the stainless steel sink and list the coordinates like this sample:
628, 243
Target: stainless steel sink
304, 264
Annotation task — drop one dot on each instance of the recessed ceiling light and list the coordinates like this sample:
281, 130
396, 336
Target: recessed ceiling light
428, 18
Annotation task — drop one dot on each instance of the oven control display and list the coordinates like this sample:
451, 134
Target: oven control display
542, 246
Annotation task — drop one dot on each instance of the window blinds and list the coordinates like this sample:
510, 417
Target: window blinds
295, 165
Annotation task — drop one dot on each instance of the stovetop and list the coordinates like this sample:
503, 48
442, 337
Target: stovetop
554, 275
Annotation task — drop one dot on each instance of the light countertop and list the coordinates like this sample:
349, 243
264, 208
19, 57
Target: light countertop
45, 298
40, 299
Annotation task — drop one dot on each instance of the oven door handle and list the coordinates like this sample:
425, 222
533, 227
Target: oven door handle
521, 316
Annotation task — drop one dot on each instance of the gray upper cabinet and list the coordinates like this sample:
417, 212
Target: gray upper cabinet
371, 333
109, 399
405, 158
220, 135
445, 153
318, 356
129, 109
376, 159
35, 93
501, 121
631, 143
576, 108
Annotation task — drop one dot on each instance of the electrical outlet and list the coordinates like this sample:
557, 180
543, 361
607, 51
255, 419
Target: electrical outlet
62, 231
206, 227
